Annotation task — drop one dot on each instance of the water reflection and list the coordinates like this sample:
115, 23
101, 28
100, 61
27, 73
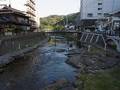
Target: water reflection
44, 66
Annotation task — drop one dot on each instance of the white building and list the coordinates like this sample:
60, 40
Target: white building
27, 6
95, 9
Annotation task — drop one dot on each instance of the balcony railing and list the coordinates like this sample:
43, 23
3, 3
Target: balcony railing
15, 20
31, 6
33, 2
31, 13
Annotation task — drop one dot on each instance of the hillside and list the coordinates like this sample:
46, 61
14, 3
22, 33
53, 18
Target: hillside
55, 22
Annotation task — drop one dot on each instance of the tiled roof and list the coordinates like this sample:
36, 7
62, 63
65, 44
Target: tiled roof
8, 9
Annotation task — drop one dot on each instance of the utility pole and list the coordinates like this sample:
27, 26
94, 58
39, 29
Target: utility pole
63, 20
66, 20
81, 11
113, 6
81, 7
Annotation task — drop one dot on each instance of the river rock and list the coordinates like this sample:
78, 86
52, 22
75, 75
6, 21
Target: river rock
74, 61
57, 85
61, 85
90, 62
1, 70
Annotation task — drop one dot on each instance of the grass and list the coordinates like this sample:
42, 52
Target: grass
96, 50
108, 80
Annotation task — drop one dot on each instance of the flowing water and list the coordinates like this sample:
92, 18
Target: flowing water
45, 66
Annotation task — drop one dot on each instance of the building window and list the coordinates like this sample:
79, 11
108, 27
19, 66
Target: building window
90, 15
99, 3
106, 14
99, 14
99, 8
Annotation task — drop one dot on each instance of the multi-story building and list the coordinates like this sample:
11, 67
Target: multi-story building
13, 21
92, 10
30, 11
95, 9
27, 6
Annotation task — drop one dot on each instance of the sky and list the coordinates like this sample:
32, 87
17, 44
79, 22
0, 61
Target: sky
49, 7
57, 7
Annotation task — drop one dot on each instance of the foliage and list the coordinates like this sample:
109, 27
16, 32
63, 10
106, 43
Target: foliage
109, 80
50, 21
57, 22
73, 18
58, 27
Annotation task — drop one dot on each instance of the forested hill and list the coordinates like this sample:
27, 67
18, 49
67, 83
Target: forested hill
58, 21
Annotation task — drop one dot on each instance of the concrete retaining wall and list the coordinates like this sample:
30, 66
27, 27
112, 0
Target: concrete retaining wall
18, 45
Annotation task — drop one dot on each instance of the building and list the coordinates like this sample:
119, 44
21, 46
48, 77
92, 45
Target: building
28, 7
93, 10
115, 22
30, 11
13, 20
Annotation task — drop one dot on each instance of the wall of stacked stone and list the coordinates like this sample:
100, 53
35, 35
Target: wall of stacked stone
18, 42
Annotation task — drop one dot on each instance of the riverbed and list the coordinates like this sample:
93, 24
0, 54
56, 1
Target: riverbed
42, 67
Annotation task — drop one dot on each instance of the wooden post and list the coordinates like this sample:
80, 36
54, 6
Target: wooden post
19, 46
89, 47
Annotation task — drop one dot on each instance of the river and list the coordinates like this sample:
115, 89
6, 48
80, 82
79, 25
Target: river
42, 67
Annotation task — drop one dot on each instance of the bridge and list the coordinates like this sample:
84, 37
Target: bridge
74, 31
18, 45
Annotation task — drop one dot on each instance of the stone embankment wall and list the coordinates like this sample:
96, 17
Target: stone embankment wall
12, 46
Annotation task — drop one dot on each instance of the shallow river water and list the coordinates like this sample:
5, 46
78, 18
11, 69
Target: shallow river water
44, 66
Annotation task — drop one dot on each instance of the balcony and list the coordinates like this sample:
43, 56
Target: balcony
31, 13
32, 1
13, 19
31, 6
